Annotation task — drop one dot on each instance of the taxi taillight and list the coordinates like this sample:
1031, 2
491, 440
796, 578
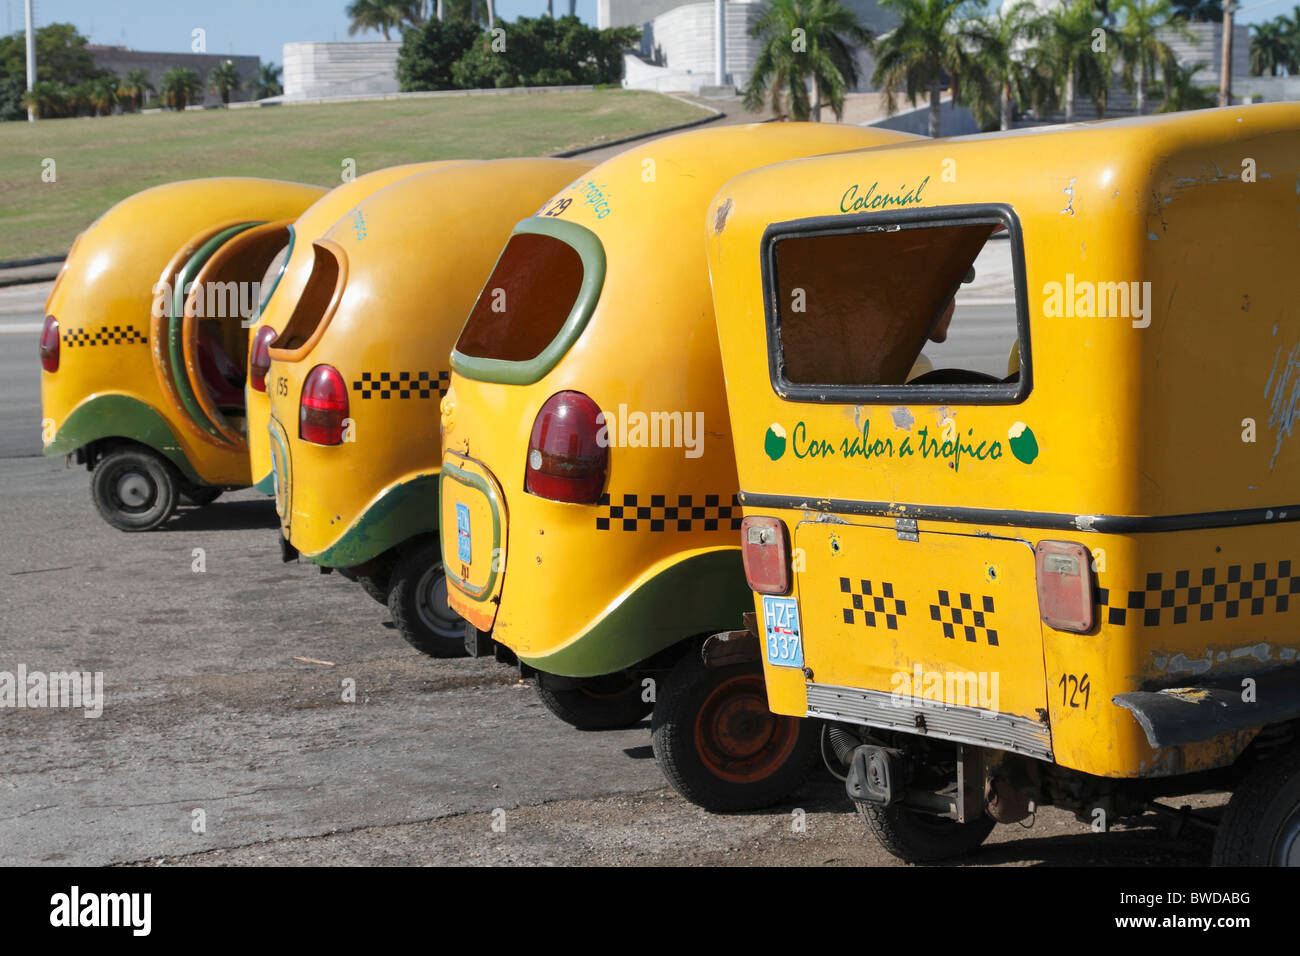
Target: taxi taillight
324, 407
765, 550
567, 460
259, 362
50, 344
1065, 593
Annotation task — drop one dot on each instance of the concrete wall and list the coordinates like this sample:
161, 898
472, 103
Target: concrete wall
122, 61
339, 69
1207, 48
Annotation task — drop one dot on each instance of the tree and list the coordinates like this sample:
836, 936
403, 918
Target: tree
921, 53
47, 99
179, 87
1198, 11
468, 11
1272, 48
135, 87
382, 16
546, 52
103, 93
804, 42
1077, 49
1181, 91
223, 79
61, 57
1006, 71
267, 81
1141, 47
428, 54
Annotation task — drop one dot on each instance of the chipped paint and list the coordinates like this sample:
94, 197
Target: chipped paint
1085, 522
902, 416
1069, 191
1284, 403
720, 217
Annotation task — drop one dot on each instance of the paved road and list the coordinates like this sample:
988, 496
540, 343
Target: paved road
208, 709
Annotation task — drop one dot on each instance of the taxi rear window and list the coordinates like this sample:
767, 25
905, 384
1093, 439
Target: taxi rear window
876, 308
525, 301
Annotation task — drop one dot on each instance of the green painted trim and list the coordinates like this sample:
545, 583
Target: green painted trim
587, 244
176, 327
472, 480
120, 416
266, 485
704, 594
399, 514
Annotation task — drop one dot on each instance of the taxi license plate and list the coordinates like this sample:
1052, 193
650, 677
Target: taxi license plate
782, 635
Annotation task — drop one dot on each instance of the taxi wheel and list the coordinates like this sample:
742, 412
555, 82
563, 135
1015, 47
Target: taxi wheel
610, 702
719, 745
1261, 824
921, 837
200, 495
417, 599
135, 489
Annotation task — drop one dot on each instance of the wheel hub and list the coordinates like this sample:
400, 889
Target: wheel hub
431, 604
1288, 842
737, 737
134, 489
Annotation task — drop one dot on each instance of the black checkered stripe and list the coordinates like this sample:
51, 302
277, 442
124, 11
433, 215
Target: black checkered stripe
971, 616
402, 384
690, 513
873, 604
117, 335
1241, 590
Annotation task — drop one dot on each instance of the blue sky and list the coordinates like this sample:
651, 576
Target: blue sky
258, 27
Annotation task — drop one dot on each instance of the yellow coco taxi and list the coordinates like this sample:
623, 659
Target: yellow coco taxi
1063, 566
588, 486
281, 287
145, 340
358, 368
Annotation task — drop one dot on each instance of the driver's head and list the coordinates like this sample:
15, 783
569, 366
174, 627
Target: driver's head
939, 325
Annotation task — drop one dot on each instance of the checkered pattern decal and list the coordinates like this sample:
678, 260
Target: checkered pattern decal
965, 617
117, 335
402, 385
1216, 594
875, 608
710, 514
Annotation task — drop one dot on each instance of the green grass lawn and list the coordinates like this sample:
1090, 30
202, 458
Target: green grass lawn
100, 161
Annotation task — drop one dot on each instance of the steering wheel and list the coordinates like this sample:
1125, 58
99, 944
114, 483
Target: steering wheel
956, 376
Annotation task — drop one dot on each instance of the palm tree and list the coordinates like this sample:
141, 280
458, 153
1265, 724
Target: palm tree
920, 52
1140, 46
824, 60
1004, 55
1068, 45
135, 86
267, 81
379, 15
1198, 11
103, 94
179, 87
223, 79
46, 98
1271, 48
1181, 91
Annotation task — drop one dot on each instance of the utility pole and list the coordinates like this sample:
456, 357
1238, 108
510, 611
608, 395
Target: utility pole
719, 43
31, 61
1225, 67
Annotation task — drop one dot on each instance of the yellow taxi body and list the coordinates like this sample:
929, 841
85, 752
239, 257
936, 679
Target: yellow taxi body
127, 277
386, 293
581, 590
285, 285
1153, 440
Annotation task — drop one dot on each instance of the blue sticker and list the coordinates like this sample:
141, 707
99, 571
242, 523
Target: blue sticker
462, 533
781, 630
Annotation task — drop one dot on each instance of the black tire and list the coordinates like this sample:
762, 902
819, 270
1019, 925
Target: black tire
135, 489
610, 702
921, 837
375, 586
417, 599
1261, 824
719, 745
199, 495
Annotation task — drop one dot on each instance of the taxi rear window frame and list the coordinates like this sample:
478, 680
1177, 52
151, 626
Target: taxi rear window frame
1011, 393
592, 253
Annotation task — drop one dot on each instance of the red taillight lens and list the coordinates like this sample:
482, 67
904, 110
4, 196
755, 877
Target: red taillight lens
50, 344
765, 550
1064, 572
323, 408
259, 363
566, 461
